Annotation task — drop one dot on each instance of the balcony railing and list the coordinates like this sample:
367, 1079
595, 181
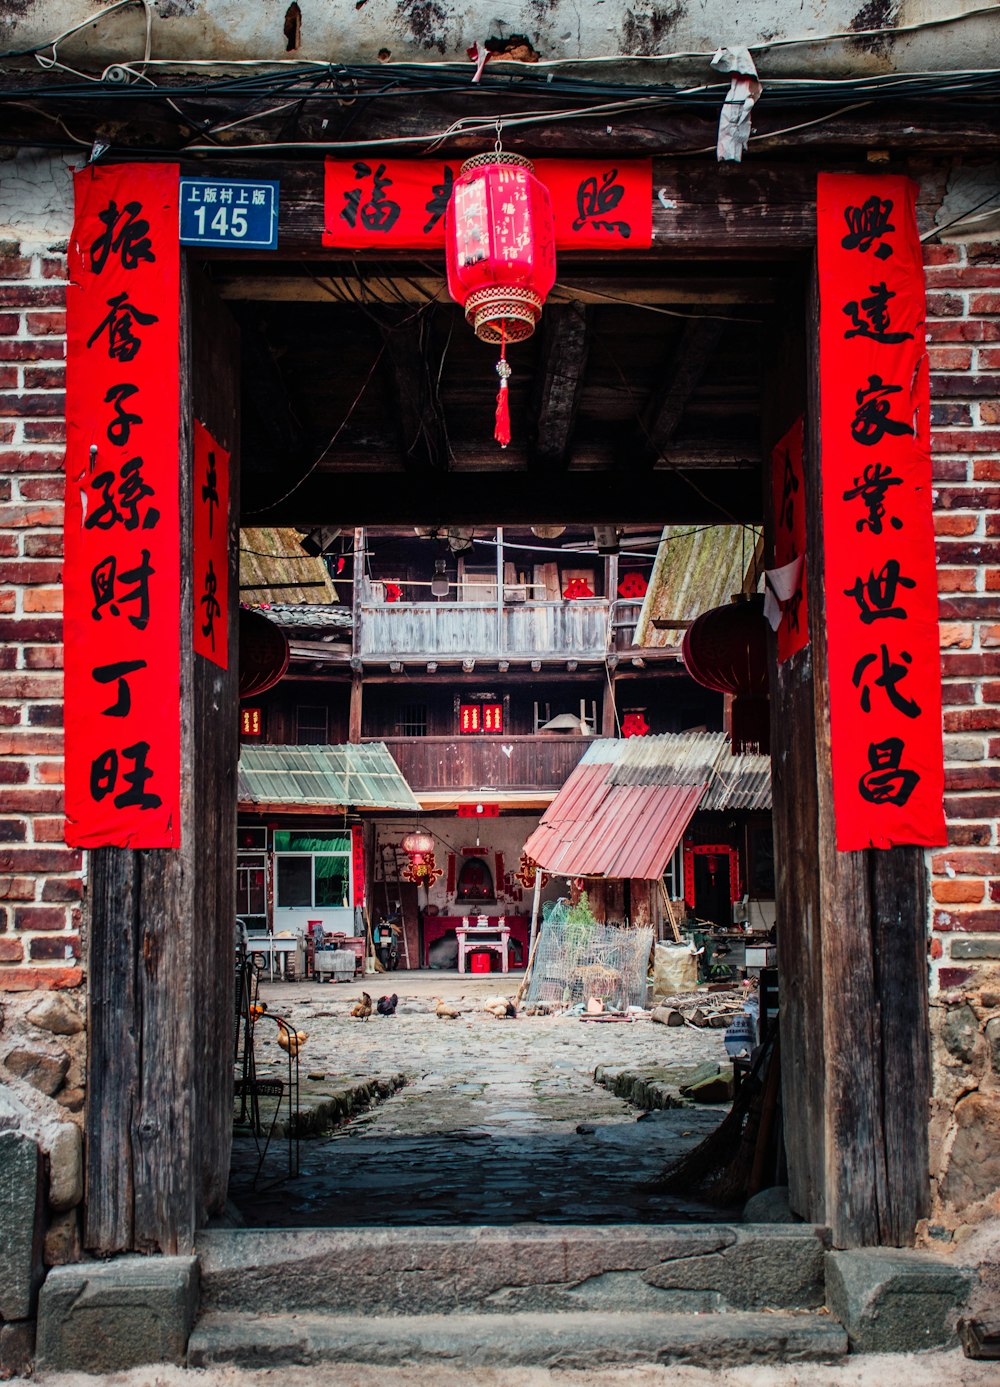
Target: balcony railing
486, 763
427, 630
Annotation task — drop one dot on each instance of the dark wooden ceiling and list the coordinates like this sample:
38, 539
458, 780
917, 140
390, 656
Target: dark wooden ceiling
367, 398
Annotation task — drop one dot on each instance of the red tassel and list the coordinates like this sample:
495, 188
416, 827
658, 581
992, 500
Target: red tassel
502, 431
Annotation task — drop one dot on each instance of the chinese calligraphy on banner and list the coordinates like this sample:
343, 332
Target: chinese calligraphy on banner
402, 202
211, 547
121, 575
788, 490
881, 588
358, 863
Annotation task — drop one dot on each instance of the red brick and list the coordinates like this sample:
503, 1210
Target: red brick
962, 330
984, 303
26, 573
935, 254
993, 525
43, 657
15, 266
986, 921
980, 863
958, 695
45, 715
31, 859
952, 497
11, 950
13, 830
18, 889
954, 666
18, 684
8, 377
989, 358
956, 524
950, 358
36, 799
58, 946
44, 431
54, 268
42, 599
991, 692
976, 552
989, 412
53, 378
27, 349
983, 252
46, 324
949, 469
50, 404
46, 917
42, 488
36, 628
49, 772
971, 441
40, 979
50, 830
63, 889
26, 517
972, 720
938, 305
954, 635
6, 432
35, 460
995, 890
13, 772
9, 323
962, 277
8, 545
936, 948
31, 296
953, 977
972, 806
44, 546
978, 386
950, 415
974, 777
949, 579
970, 835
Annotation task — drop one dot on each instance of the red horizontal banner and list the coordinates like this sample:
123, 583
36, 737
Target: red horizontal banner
400, 203
879, 561
121, 575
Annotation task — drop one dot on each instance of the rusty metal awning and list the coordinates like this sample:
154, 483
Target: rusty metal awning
624, 809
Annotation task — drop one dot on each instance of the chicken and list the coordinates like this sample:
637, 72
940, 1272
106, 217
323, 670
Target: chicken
291, 1041
500, 1007
363, 1009
446, 1012
386, 1006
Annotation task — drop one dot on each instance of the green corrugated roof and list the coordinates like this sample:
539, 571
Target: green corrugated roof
355, 776
695, 570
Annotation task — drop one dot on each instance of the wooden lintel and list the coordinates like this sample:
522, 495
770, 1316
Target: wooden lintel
558, 382
280, 807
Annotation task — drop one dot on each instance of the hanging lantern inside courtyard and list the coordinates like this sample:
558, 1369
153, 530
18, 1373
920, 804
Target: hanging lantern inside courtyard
500, 249
417, 845
726, 649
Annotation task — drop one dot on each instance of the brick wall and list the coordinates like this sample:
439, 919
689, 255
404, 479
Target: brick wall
41, 880
963, 330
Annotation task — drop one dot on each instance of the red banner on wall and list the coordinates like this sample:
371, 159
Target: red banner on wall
122, 559
358, 863
211, 548
789, 492
879, 560
400, 203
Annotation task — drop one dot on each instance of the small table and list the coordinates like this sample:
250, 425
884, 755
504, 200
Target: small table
280, 949
494, 938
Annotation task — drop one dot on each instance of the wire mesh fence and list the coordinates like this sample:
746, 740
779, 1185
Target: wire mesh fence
577, 958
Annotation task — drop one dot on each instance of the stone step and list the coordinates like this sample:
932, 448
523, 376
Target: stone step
521, 1268
560, 1341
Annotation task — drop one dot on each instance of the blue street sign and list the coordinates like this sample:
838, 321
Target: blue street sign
224, 212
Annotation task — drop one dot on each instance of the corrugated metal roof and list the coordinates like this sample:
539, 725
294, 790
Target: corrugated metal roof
626, 807
276, 556
694, 571
309, 616
357, 776
740, 782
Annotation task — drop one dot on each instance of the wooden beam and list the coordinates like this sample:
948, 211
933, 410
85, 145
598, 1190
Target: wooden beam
688, 362
460, 498
558, 382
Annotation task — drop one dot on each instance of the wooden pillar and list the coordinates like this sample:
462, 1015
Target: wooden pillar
354, 717
161, 923
609, 715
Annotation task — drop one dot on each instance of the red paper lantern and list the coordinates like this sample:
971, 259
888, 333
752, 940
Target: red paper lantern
635, 725
500, 251
726, 650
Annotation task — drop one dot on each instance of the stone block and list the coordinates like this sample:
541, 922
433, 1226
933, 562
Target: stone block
959, 1031
896, 1301
988, 947
769, 1206
65, 1167
21, 1215
17, 1348
974, 1160
43, 1069
109, 1316
62, 1240
55, 1014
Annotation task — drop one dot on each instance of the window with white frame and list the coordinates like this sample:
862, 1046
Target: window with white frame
312, 869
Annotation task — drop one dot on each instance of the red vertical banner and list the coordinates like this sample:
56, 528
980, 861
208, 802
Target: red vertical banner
788, 490
121, 575
879, 558
358, 863
210, 493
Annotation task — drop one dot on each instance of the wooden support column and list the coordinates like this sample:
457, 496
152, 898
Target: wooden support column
609, 716
355, 714
161, 926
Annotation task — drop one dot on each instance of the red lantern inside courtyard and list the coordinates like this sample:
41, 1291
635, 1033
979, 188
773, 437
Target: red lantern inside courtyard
726, 650
500, 249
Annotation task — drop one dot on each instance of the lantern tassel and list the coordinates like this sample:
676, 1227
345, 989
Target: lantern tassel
502, 431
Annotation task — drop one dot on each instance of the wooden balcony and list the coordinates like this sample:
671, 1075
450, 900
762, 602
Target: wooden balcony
523, 764
526, 630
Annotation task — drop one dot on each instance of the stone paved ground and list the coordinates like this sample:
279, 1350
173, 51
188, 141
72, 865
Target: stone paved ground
499, 1121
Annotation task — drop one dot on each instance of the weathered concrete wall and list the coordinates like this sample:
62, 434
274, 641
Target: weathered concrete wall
364, 31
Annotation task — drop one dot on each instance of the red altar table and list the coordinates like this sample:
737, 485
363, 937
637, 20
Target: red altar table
437, 926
